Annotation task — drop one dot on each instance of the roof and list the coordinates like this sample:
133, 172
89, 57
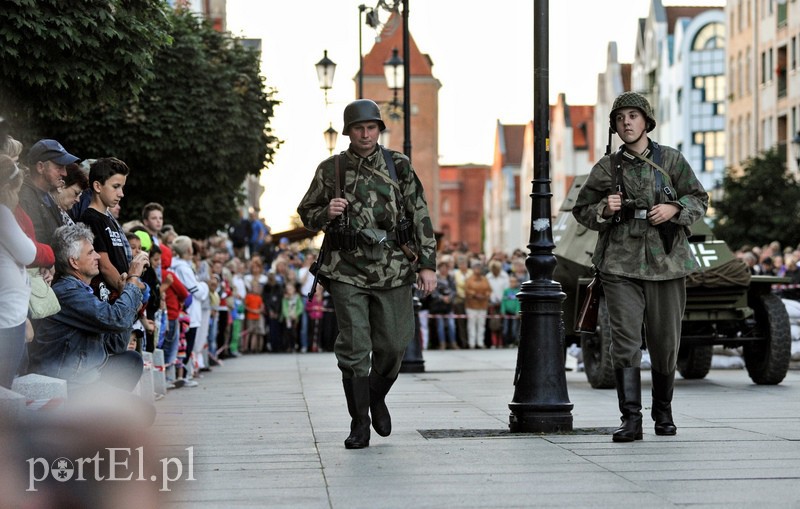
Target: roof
513, 143
679, 11
392, 37
582, 118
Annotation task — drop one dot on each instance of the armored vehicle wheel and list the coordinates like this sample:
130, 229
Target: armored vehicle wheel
695, 362
768, 361
596, 350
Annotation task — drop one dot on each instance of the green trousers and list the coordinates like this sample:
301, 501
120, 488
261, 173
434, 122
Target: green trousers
375, 327
656, 305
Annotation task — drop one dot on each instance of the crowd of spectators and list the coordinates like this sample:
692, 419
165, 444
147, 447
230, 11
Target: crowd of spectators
234, 293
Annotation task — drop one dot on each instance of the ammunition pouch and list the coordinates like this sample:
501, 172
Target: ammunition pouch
404, 231
639, 223
668, 231
372, 243
343, 237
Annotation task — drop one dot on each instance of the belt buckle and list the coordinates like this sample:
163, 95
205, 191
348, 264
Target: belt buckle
640, 214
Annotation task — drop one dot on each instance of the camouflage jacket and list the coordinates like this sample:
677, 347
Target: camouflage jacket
373, 204
633, 247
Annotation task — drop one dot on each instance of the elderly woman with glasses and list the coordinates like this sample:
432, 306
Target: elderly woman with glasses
69, 194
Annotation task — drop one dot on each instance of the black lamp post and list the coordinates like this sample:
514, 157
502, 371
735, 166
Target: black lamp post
540, 403
372, 21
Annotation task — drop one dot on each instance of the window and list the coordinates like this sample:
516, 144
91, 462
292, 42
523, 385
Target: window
711, 36
739, 77
781, 13
712, 144
748, 70
713, 88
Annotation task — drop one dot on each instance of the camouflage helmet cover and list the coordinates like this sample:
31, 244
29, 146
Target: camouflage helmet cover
632, 100
362, 110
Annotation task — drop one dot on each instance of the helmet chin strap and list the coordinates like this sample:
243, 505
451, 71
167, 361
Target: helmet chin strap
637, 140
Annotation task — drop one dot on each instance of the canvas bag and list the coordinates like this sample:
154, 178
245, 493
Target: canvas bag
43, 301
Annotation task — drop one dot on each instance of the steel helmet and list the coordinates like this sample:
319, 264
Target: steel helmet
632, 100
362, 110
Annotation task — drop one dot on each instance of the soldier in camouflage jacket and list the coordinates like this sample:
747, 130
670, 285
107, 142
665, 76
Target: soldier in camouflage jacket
642, 200
371, 285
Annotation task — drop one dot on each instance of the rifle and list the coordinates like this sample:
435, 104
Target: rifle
314, 269
323, 250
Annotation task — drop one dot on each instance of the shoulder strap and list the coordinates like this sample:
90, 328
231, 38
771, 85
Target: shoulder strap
619, 183
337, 188
387, 157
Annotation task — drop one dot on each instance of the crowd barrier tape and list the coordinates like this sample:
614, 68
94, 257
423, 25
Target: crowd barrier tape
453, 315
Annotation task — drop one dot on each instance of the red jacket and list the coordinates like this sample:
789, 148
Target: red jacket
44, 253
176, 293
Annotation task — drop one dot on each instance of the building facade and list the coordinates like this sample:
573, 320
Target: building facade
763, 80
679, 65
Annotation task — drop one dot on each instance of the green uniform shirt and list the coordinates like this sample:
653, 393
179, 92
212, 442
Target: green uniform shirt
633, 248
375, 202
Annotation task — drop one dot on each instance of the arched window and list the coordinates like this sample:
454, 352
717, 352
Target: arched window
711, 36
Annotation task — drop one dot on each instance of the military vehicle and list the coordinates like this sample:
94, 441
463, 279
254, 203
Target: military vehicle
725, 306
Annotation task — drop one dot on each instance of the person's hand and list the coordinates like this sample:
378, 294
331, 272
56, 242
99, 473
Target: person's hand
336, 207
47, 274
662, 213
614, 204
138, 264
149, 325
426, 281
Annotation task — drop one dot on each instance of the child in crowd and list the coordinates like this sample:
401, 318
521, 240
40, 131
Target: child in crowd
315, 310
253, 336
214, 298
107, 177
175, 295
291, 312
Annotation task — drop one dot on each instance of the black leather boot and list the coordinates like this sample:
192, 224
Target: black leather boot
378, 389
356, 390
629, 393
662, 403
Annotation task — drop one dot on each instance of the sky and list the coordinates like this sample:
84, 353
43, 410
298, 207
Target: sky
482, 54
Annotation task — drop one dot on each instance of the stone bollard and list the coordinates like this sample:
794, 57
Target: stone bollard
41, 392
12, 404
159, 376
145, 386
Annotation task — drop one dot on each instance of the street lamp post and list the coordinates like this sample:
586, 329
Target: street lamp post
396, 72
540, 403
371, 21
325, 71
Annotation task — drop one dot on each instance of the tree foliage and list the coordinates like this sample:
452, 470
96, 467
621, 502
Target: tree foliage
58, 58
194, 133
190, 118
761, 205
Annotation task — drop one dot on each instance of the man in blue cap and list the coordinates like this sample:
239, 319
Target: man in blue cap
47, 163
